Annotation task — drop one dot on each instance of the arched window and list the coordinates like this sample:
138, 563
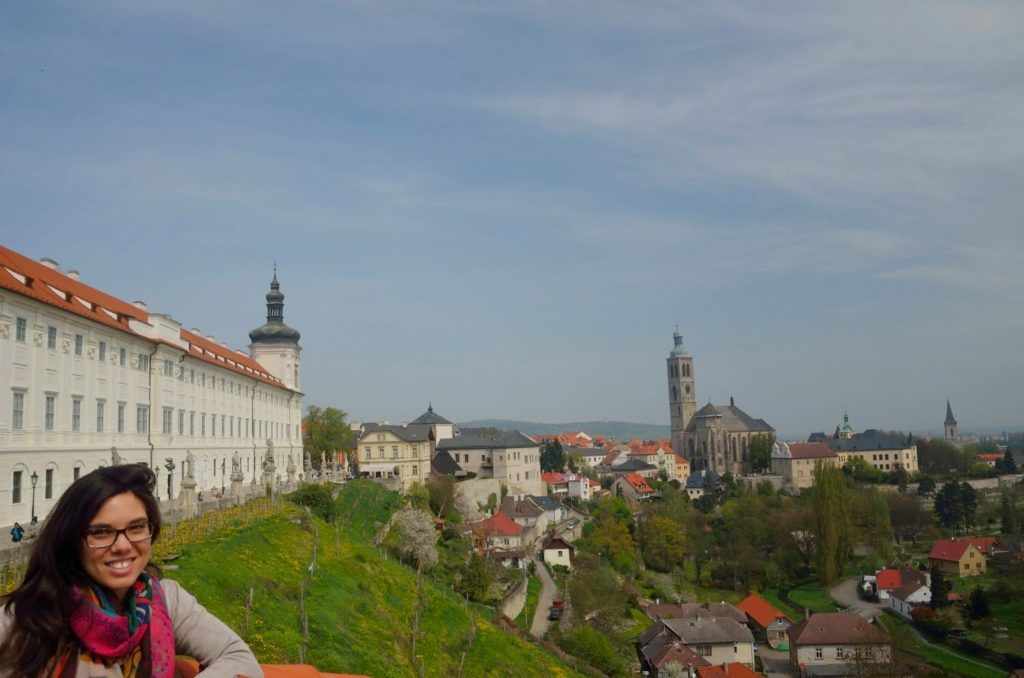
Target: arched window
675, 393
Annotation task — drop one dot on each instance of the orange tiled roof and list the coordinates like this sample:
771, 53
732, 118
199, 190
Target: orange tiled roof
32, 279
760, 610
499, 524
638, 482
731, 670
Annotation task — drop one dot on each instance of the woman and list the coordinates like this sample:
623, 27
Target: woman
89, 606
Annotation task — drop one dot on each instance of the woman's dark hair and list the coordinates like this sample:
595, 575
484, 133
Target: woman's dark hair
41, 606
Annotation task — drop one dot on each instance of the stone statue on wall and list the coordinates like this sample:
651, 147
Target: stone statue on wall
190, 463
115, 458
236, 464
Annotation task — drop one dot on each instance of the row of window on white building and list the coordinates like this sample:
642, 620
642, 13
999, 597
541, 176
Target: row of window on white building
259, 427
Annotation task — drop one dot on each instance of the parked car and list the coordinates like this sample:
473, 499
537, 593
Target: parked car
571, 524
555, 613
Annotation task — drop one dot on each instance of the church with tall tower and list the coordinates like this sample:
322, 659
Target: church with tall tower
715, 437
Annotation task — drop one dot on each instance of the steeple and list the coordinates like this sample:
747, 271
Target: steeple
274, 331
678, 351
950, 427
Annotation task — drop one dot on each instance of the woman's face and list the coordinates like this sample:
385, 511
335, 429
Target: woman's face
116, 567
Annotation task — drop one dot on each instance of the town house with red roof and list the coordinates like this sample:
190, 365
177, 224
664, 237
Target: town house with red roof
498, 537
957, 557
766, 621
633, 487
93, 380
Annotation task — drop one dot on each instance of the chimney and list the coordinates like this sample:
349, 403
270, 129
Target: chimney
209, 337
50, 263
196, 331
141, 305
73, 274
732, 401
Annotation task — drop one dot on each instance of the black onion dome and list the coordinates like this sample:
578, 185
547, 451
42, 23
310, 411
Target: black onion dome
274, 331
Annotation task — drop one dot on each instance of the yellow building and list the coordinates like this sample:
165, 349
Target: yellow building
400, 453
959, 558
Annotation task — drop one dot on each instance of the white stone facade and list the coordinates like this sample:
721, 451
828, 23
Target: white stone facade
73, 386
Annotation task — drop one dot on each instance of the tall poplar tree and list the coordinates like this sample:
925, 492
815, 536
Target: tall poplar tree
833, 524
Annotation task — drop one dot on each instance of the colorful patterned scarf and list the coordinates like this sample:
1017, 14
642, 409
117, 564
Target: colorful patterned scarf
141, 634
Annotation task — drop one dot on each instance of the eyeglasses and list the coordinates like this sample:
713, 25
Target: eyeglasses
103, 537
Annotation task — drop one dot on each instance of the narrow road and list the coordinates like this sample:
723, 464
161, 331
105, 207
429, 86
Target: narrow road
845, 595
547, 597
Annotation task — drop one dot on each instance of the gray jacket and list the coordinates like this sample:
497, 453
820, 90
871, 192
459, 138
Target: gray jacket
197, 633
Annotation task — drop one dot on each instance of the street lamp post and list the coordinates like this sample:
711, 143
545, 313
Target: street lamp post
35, 479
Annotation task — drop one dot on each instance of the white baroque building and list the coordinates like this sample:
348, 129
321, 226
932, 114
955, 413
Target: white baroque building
82, 372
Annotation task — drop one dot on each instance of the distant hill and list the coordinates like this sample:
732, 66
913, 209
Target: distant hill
616, 430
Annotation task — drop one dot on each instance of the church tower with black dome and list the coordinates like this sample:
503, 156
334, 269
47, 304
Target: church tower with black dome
274, 345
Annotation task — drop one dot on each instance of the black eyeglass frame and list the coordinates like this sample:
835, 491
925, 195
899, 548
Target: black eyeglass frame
118, 533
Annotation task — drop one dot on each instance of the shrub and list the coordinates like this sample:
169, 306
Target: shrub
595, 649
318, 499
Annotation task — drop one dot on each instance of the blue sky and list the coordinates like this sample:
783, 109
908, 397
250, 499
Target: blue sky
505, 208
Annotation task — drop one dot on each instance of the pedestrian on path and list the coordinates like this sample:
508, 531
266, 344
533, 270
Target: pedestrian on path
17, 532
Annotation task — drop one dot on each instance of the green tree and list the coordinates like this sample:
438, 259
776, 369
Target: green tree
475, 579
831, 499
595, 649
1010, 514
443, 494
325, 431
956, 505
926, 487
663, 543
552, 457
612, 538
760, 449
940, 586
318, 499
978, 607
909, 519
938, 457
862, 471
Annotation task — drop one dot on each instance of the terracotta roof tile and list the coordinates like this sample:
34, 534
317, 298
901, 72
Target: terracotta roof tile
760, 610
731, 670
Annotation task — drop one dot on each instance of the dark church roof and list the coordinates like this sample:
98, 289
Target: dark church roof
430, 417
733, 418
949, 413
274, 331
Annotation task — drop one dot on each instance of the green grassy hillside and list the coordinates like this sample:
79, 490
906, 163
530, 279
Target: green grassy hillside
361, 606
